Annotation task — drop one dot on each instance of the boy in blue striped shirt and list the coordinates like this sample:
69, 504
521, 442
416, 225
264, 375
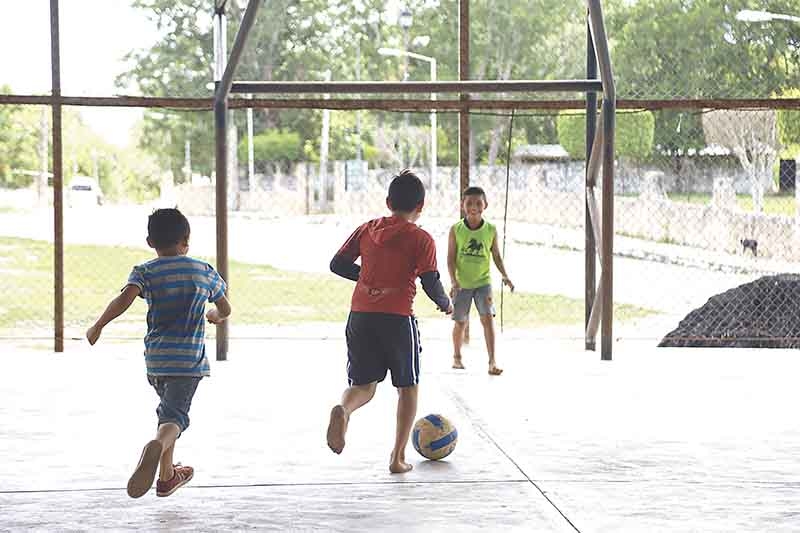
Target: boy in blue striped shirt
176, 288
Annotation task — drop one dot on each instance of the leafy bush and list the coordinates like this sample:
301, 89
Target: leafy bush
276, 146
789, 122
633, 136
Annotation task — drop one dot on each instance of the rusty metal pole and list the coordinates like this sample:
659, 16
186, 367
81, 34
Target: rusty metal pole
58, 190
590, 263
607, 225
463, 116
221, 168
223, 74
463, 74
394, 104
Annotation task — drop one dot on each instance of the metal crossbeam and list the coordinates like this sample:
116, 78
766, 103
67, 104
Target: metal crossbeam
405, 87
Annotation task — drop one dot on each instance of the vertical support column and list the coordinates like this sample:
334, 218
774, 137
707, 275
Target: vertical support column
221, 160
221, 169
223, 75
463, 74
432, 155
463, 116
598, 32
58, 181
607, 279
590, 264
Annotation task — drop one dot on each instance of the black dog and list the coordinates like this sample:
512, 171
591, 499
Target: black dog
751, 244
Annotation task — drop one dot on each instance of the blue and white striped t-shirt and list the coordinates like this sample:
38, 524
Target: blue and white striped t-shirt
176, 289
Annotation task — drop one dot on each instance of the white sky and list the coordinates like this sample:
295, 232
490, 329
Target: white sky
95, 35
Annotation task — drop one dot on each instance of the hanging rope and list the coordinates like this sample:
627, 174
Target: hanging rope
505, 211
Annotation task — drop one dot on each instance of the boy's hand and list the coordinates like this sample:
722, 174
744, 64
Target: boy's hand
454, 288
507, 283
213, 317
449, 310
93, 333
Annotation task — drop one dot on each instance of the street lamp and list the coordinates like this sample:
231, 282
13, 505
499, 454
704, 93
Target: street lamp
749, 15
403, 53
405, 19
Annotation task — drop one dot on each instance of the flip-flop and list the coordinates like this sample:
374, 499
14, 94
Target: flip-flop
142, 478
495, 371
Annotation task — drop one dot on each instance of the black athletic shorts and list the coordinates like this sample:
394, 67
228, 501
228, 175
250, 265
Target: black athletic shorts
377, 342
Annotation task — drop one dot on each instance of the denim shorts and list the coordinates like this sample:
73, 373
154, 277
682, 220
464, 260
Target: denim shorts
175, 393
463, 301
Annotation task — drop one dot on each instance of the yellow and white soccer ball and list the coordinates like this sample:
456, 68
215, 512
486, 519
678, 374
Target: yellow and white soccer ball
434, 437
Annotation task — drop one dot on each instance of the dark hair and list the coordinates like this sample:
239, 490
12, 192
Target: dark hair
167, 227
406, 192
474, 191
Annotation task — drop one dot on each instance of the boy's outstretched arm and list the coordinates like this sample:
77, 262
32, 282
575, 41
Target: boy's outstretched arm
451, 261
344, 267
116, 307
344, 260
433, 288
498, 261
221, 311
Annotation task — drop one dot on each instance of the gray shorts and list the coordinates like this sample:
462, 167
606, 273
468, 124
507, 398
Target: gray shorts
463, 301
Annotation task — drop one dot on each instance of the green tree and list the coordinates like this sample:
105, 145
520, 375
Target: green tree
789, 127
633, 137
697, 49
297, 40
20, 132
273, 146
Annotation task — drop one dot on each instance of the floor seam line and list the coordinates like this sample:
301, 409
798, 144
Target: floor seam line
460, 404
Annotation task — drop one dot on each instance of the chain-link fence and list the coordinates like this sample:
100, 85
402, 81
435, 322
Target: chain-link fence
704, 190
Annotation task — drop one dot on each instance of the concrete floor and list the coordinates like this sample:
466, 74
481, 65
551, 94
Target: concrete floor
657, 440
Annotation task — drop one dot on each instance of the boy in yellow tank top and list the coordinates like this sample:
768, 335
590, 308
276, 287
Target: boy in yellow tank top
470, 243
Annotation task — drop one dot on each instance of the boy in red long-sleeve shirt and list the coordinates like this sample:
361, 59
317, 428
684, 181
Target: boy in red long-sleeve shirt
382, 333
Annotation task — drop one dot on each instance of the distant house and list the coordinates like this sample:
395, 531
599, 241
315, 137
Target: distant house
537, 153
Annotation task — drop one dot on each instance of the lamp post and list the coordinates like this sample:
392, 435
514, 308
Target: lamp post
406, 54
251, 159
749, 15
405, 20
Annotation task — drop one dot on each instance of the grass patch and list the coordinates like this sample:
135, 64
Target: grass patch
775, 204
260, 294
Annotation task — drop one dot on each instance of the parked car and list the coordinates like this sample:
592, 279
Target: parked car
84, 192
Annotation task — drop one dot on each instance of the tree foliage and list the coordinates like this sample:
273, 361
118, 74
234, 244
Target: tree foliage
660, 49
19, 141
633, 134
789, 121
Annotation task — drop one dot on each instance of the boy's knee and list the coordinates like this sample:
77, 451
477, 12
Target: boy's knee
368, 387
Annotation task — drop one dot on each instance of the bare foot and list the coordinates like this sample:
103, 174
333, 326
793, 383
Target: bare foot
494, 370
336, 429
457, 363
398, 464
